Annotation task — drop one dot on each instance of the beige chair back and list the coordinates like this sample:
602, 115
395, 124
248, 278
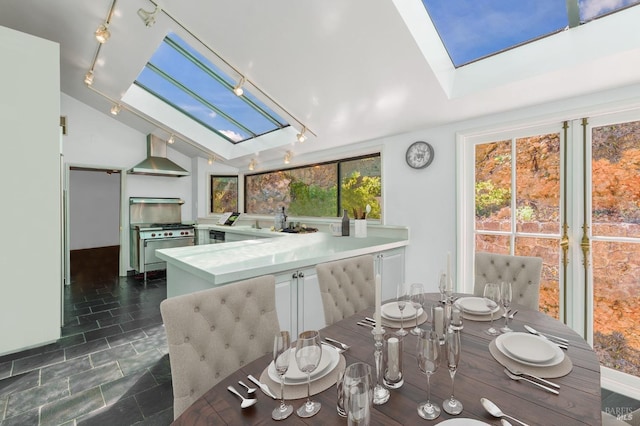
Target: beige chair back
347, 286
212, 333
523, 271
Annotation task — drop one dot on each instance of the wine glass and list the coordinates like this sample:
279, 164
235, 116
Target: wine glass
452, 405
308, 355
505, 298
428, 361
442, 287
281, 351
416, 294
492, 298
401, 300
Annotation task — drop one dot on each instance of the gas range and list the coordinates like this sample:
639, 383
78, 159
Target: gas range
165, 230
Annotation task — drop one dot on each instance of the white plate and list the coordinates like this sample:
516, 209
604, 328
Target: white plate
391, 311
557, 358
463, 422
293, 376
475, 305
528, 347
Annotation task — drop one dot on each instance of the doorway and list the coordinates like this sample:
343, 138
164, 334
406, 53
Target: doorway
93, 226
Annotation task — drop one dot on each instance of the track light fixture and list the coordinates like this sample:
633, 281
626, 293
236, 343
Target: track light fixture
252, 164
88, 78
171, 139
237, 89
301, 136
211, 158
102, 33
149, 18
115, 109
287, 157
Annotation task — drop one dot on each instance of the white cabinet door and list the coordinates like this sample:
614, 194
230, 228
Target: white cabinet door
390, 266
311, 315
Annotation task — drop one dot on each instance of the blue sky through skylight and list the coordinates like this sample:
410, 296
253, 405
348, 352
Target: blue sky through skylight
185, 79
472, 29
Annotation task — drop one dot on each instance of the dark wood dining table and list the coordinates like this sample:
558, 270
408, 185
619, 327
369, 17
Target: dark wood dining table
479, 375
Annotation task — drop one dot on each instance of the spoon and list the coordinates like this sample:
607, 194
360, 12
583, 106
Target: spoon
249, 390
514, 377
245, 401
496, 412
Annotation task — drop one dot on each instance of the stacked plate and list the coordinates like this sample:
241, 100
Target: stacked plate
529, 349
293, 376
391, 311
475, 305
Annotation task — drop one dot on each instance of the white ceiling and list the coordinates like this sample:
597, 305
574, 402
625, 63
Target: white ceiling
350, 71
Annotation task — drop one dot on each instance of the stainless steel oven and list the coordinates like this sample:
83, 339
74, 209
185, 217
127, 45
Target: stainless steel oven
166, 232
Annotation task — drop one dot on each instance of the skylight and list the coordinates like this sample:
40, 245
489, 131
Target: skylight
183, 78
471, 30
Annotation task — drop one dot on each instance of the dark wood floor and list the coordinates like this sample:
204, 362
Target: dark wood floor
111, 365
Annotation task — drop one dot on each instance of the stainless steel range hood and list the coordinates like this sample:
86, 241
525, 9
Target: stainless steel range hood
157, 163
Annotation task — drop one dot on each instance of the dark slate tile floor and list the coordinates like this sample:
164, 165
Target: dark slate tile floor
111, 366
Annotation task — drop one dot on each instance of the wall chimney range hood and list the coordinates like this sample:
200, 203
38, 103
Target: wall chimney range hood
157, 163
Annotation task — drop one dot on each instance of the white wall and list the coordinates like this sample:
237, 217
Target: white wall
94, 209
31, 284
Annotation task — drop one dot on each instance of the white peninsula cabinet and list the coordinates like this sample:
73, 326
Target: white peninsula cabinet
292, 260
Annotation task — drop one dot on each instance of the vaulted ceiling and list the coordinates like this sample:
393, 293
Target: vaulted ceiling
349, 71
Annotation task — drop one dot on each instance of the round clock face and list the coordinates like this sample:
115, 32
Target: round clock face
419, 155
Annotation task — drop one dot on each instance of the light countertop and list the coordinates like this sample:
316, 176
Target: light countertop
228, 262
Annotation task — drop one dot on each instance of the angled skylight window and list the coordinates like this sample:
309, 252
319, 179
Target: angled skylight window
471, 30
190, 83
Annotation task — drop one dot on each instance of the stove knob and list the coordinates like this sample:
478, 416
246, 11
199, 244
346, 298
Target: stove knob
170, 233
153, 234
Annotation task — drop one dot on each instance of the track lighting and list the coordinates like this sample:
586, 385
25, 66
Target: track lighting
115, 109
102, 33
171, 139
88, 78
211, 158
252, 164
287, 157
237, 89
301, 136
149, 18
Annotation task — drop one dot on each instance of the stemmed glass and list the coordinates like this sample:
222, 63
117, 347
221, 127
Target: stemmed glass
492, 298
308, 355
452, 405
505, 298
281, 351
401, 299
416, 294
428, 361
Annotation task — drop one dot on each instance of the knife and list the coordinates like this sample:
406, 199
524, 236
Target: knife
263, 387
531, 330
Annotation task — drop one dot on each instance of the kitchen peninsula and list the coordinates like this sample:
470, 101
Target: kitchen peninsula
292, 259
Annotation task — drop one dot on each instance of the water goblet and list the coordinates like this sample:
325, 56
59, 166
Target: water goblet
492, 298
428, 361
416, 295
452, 405
308, 355
505, 298
401, 300
281, 351
358, 387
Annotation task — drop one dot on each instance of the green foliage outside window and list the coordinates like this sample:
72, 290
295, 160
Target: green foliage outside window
358, 191
312, 200
490, 199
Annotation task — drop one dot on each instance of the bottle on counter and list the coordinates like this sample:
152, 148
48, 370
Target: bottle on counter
345, 223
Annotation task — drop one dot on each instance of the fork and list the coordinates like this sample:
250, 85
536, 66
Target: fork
514, 377
540, 379
342, 345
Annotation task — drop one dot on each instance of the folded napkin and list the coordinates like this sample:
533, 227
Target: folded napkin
559, 370
300, 390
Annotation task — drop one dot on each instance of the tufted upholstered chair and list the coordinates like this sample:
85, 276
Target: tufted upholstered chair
346, 286
523, 272
212, 333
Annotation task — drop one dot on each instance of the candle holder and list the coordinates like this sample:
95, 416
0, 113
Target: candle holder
393, 377
380, 393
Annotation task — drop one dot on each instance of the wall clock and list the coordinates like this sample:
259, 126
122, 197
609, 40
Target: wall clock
419, 155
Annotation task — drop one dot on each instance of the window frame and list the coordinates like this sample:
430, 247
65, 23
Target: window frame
211, 195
